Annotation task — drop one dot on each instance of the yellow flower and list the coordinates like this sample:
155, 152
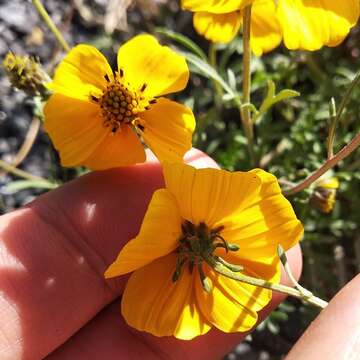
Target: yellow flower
173, 290
306, 25
95, 113
324, 195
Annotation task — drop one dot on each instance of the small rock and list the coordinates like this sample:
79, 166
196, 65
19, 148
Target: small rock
18, 14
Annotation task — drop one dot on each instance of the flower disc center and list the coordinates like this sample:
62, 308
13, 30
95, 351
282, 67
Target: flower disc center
118, 106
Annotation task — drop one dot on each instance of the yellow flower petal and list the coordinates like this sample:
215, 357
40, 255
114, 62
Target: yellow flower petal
158, 236
215, 6
81, 73
230, 305
233, 305
168, 128
328, 183
266, 33
120, 149
145, 61
74, 127
311, 24
220, 28
152, 302
209, 195
267, 220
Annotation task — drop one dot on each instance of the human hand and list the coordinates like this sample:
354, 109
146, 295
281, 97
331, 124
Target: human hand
53, 254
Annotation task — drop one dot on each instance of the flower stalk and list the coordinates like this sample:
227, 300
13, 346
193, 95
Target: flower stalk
307, 296
245, 113
44, 14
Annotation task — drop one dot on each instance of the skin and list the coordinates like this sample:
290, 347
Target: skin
54, 301
335, 333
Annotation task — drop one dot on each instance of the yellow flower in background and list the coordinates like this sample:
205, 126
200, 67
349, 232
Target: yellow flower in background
306, 25
95, 115
204, 217
324, 195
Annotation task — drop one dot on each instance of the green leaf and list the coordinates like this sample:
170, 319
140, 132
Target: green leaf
183, 40
208, 71
231, 79
272, 98
18, 185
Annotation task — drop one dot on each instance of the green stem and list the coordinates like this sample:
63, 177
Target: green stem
347, 95
43, 13
311, 299
343, 153
217, 86
21, 173
333, 123
335, 115
246, 86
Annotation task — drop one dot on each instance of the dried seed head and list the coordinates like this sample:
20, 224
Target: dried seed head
26, 73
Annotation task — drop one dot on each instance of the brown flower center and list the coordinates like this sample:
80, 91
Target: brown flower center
120, 104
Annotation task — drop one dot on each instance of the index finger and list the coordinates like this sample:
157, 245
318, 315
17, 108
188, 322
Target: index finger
53, 254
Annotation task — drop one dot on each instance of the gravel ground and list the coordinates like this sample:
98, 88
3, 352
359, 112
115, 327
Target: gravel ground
18, 24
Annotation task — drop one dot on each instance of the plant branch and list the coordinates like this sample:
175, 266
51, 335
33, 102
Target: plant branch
335, 115
343, 153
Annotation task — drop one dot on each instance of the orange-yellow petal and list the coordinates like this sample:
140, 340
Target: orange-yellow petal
231, 306
266, 33
120, 149
218, 28
311, 24
152, 302
215, 6
168, 128
144, 61
267, 220
209, 195
158, 236
75, 128
81, 73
